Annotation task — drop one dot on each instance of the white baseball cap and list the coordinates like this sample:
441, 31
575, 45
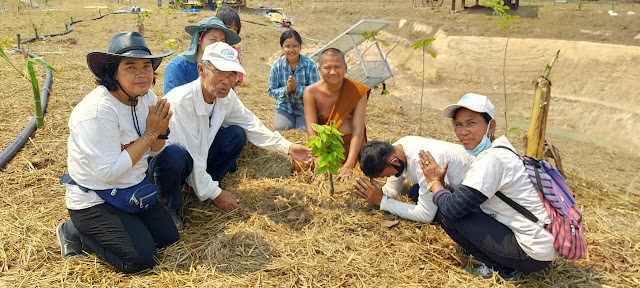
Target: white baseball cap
474, 102
223, 57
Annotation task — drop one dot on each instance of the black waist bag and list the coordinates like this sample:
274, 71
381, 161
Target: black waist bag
135, 199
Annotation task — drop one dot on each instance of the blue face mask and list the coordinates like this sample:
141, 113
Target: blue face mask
484, 144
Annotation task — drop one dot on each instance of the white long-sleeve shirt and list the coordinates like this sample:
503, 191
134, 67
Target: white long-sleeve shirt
497, 169
100, 129
192, 129
425, 210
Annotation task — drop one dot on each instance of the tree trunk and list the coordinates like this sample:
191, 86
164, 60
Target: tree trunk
331, 182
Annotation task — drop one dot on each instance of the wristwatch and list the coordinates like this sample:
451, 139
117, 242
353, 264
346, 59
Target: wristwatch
431, 184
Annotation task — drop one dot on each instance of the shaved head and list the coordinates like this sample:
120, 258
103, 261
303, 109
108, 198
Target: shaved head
332, 52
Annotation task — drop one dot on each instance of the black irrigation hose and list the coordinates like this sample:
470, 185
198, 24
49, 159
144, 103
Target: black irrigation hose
17, 144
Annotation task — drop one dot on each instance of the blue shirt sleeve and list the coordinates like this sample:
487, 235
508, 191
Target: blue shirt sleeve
458, 203
174, 76
276, 89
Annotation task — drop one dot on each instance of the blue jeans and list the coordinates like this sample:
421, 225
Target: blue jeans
173, 165
285, 120
414, 192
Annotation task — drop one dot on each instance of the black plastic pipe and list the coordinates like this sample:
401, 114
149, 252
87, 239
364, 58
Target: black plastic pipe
17, 144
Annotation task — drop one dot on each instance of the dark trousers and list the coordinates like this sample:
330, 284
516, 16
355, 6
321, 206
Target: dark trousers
490, 242
126, 241
173, 165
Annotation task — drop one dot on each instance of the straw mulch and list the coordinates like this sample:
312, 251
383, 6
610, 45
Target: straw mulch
291, 232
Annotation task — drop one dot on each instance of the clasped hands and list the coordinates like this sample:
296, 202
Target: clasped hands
433, 173
292, 84
371, 190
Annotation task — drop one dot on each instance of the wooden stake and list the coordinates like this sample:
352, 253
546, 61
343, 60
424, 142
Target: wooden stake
534, 144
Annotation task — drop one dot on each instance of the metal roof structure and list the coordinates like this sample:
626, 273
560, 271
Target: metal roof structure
370, 71
352, 37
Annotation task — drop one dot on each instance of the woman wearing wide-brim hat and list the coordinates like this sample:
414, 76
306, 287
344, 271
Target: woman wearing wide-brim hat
184, 68
112, 132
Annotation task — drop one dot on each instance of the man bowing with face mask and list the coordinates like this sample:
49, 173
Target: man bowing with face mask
401, 161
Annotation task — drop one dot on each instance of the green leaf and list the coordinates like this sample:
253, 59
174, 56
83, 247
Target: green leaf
323, 136
41, 62
36, 92
324, 160
312, 142
316, 127
316, 151
335, 146
2, 53
341, 156
32, 75
171, 44
513, 129
331, 158
335, 131
432, 53
333, 170
321, 170
419, 45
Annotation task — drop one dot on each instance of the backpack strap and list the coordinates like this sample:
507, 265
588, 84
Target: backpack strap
531, 161
509, 201
517, 207
66, 179
507, 148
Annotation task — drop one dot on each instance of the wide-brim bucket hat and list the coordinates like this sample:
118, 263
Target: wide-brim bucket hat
129, 44
231, 38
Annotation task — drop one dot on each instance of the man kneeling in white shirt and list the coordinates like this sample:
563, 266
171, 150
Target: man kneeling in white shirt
209, 128
400, 161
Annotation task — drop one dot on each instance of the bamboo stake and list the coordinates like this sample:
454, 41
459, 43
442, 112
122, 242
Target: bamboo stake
36, 94
538, 125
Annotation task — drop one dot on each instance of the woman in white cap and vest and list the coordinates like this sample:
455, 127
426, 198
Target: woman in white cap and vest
499, 237
112, 132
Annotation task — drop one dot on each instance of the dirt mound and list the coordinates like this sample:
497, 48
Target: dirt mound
595, 85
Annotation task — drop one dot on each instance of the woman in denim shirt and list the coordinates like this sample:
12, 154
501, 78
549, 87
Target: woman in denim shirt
290, 75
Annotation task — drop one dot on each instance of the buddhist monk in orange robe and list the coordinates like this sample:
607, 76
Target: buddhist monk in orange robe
337, 99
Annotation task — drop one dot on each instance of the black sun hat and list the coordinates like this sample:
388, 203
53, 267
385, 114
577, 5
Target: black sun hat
128, 44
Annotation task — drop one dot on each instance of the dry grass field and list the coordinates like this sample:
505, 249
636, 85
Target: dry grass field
291, 232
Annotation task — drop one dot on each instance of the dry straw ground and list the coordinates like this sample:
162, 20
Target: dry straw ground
291, 234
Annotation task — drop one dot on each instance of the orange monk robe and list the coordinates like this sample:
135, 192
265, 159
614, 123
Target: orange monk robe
350, 94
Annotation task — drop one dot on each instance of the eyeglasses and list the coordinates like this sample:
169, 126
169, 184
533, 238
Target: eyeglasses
291, 47
232, 76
